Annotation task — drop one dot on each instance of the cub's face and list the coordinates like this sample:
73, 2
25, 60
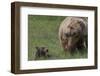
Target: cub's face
41, 51
72, 35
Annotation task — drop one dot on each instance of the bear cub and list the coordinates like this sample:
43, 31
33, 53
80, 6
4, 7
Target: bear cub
42, 52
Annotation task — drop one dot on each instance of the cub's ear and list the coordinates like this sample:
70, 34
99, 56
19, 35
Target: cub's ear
37, 47
46, 49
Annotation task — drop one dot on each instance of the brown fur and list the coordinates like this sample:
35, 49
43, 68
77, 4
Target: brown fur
72, 32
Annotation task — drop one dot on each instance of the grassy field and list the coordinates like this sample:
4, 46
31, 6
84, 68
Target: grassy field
43, 31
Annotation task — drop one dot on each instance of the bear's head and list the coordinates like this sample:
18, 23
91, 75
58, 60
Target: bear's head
73, 33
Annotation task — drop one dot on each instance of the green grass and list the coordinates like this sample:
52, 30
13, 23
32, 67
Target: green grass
43, 31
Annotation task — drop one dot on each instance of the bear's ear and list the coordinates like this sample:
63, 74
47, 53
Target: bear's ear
82, 25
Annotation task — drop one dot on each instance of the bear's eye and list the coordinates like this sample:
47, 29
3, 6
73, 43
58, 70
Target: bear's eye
74, 33
67, 35
76, 36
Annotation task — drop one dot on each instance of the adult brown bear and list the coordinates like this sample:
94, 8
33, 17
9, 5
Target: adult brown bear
73, 33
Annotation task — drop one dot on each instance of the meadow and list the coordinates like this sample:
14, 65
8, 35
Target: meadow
43, 31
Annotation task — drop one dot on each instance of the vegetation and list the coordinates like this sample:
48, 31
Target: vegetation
43, 31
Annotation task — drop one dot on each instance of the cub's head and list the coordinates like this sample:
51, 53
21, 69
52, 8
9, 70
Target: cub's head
42, 52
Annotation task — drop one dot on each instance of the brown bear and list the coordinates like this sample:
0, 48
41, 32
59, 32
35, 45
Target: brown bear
73, 33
